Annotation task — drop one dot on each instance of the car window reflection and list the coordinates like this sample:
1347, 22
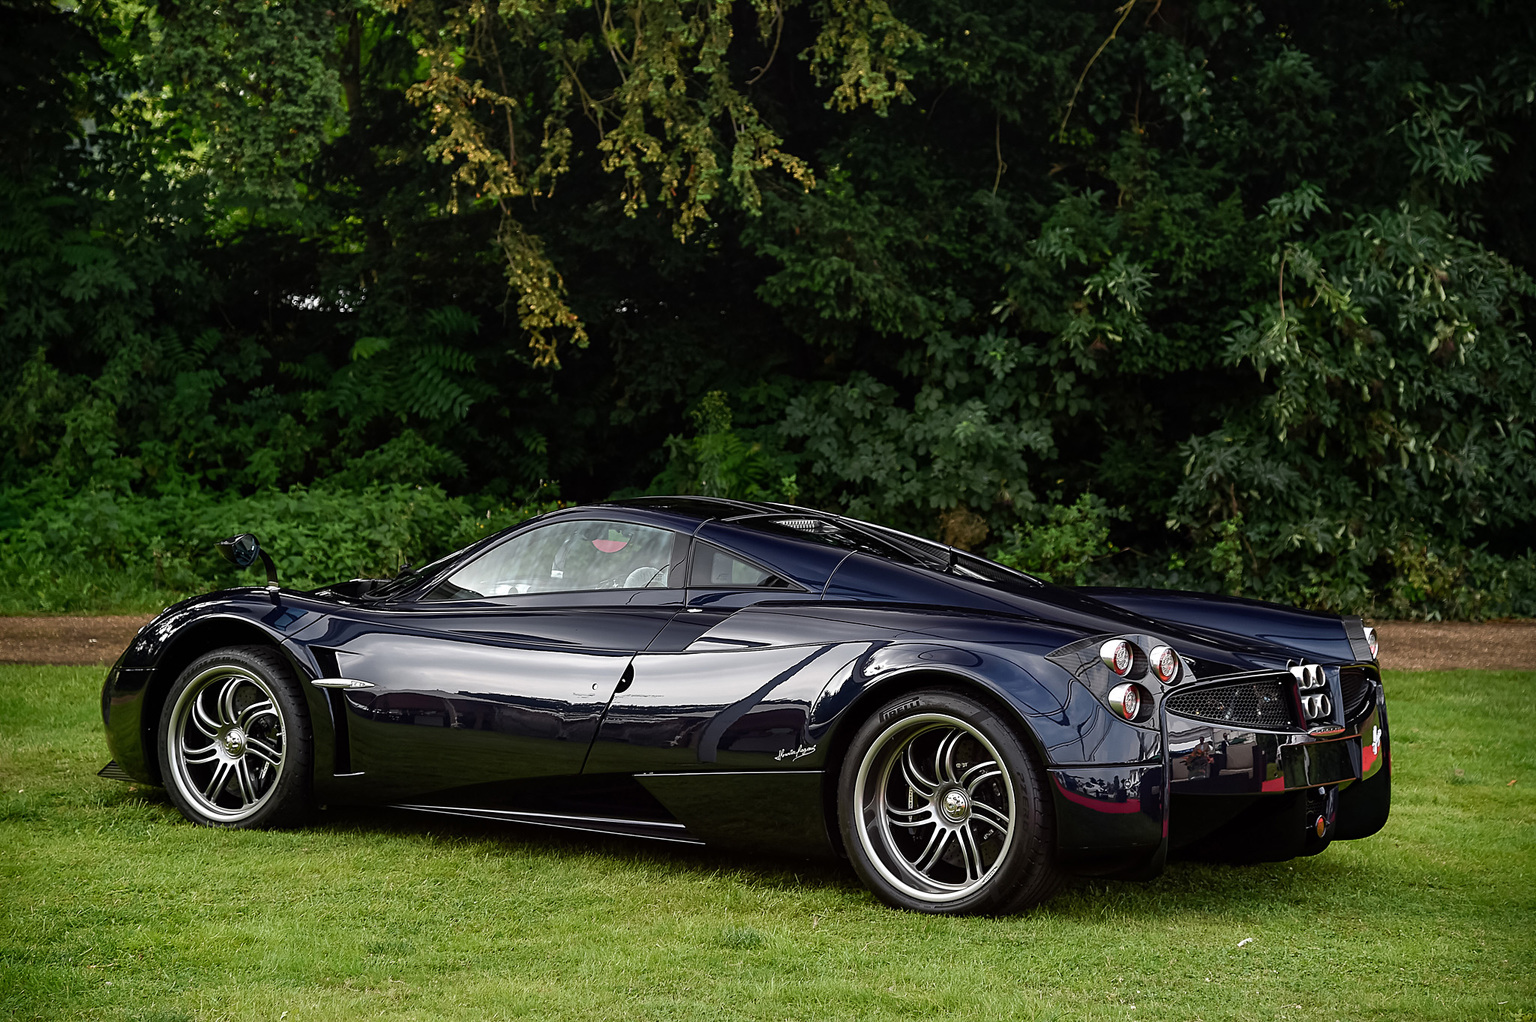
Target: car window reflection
566, 557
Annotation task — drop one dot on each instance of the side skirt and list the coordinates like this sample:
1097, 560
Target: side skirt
655, 830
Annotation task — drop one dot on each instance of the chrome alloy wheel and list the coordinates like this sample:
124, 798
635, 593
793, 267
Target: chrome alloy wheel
226, 743
937, 809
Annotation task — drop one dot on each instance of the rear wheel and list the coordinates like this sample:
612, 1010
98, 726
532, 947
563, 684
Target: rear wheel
943, 809
234, 741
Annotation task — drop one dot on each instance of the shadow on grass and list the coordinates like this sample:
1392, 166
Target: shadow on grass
771, 871
1187, 887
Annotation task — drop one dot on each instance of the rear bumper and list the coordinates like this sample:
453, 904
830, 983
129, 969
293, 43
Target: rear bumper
1206, 759
1261, 792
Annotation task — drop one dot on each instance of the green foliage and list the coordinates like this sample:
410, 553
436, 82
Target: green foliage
721, 462
102, 551
254, 87
1064, 547
1264, 294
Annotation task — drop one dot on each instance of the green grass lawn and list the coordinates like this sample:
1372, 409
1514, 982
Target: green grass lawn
112, 907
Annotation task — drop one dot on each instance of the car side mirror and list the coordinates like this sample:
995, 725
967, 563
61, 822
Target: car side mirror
242, 551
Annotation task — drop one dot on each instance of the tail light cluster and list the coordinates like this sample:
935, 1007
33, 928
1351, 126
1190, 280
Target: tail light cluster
1126, 700
1125, 659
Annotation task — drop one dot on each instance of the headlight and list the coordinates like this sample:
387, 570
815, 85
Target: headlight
1370, 640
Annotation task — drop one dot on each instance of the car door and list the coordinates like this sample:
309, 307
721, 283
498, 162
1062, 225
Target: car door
501, 672
695, 702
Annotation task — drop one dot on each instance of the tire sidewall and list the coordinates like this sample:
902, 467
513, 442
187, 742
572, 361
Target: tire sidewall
289, 803
999, 892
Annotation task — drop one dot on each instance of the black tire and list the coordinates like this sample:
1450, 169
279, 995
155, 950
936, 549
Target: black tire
943, 808
234, 741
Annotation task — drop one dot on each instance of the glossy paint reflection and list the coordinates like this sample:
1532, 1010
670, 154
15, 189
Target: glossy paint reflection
729, 708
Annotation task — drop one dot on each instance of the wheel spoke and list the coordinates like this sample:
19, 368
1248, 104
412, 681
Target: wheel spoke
990, 815
197, 757
944, 756
910, 817
970, 853
227, 712
977, 773
216, 785
261, 750
930, 854
255, 710
200, 719
243, 775
914, 776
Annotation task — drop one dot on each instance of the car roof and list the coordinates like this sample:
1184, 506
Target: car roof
707, 508
748, 512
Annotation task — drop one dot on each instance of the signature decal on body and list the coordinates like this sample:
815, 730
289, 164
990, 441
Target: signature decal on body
795, 753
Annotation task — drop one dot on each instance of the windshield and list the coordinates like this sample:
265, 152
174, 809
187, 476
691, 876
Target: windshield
409, 575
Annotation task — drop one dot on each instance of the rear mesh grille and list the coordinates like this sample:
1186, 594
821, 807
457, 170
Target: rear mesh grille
1354, 689
1262, 703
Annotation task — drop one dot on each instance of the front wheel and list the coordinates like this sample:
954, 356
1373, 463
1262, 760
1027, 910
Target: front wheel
234, 741
942, 808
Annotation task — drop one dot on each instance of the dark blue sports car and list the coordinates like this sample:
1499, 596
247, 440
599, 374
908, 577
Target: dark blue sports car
764, 676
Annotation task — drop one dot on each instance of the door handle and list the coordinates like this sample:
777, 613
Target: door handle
627, 679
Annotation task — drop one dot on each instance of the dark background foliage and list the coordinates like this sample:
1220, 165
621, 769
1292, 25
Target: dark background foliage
1215, 295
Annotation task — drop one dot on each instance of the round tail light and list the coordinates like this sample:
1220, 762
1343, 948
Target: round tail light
1118, 655
1126, 700
1165, 663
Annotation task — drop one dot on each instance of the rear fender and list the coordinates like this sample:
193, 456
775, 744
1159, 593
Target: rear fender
1319, 636
1056, 716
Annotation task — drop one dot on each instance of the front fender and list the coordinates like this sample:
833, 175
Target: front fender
135, 687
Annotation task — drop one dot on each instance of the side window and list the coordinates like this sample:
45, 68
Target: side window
567, 556
713, 568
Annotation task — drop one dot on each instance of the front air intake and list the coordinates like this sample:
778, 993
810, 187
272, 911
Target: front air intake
1252, 703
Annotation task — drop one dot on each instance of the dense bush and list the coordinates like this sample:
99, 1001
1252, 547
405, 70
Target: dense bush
102, 551
1228, 295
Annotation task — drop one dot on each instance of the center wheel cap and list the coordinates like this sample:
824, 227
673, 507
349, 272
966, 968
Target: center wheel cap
234, 741
955, 805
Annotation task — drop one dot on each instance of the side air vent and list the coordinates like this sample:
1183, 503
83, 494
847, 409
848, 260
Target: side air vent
1259, 703
1354, 690
114, 772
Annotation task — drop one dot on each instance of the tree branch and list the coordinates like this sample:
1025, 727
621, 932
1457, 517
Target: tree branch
1124, 13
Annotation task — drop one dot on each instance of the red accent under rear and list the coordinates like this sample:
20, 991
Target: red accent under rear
1101, 805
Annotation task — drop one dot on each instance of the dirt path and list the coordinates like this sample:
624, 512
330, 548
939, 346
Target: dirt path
66, 640
1405, 645
1457, 645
